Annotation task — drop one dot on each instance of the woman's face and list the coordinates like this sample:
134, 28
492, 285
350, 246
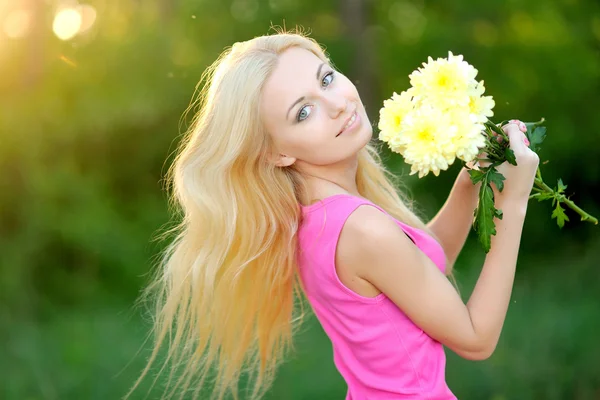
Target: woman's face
313, 113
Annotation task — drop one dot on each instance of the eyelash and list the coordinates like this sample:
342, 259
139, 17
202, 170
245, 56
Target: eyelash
331, 73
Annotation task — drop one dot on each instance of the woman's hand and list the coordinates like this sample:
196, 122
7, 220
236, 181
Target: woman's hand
518, 179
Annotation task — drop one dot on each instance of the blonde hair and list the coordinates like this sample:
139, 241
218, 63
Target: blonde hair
228, 287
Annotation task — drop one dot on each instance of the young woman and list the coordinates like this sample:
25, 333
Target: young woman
282, 195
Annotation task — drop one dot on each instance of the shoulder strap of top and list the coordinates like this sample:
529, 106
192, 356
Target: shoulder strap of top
326, 219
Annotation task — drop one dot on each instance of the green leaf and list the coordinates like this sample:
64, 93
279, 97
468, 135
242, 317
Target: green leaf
484, 216
536, 137
495, 128
561, 186
496, 177
542, 196
510, 156
559, 214
476, 176
530, 127
486, 211
499, 213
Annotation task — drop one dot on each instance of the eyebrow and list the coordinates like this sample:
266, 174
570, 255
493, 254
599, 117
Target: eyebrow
302, 98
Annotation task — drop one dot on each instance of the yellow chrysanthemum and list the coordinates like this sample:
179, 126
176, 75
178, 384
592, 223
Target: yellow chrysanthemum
392, 114
426, 141
440, 118
445, 82
480, 106
469, 138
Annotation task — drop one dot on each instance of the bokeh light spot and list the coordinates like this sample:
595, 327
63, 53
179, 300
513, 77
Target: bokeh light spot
327, 25
281, 5
596, 27
88, 16
409, 19
484, 32
244, 10
17, 24
67, 23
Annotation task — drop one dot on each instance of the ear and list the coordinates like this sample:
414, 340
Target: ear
282, 160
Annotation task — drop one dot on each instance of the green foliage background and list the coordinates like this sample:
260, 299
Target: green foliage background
87, 131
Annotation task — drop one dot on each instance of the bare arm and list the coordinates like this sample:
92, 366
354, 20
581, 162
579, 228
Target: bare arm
376, 249
452, 224
382, 254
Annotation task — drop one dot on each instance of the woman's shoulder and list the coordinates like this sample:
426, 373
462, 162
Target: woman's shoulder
348, 199
368, 235
341, 211
368, 222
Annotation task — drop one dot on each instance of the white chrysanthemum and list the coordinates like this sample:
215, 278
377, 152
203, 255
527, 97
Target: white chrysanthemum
480, 106
469, 138
426, 141
392, 114
445, 82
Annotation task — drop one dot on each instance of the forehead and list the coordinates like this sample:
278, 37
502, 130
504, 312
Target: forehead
295, 72
296, 63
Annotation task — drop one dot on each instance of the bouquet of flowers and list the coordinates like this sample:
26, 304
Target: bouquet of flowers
443, 117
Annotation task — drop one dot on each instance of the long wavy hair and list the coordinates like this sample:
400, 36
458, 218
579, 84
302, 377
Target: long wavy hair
227, 292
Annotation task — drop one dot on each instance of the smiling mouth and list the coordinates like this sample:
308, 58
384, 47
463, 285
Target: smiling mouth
348, 123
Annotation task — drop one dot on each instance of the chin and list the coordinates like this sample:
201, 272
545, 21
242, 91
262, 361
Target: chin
367, 135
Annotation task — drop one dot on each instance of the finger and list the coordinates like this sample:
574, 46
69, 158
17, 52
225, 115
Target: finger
520, 124
473, 165
523, 128
516, 137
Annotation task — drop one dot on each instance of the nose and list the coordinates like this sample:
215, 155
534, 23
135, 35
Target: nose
336, 104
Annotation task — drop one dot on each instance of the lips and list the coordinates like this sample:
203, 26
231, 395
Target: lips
347, 123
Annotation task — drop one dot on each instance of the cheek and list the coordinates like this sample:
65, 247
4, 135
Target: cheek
307, 145
313, 135
347, 86
322, 149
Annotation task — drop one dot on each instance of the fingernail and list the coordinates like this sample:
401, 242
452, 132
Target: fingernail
521, 125
526, 141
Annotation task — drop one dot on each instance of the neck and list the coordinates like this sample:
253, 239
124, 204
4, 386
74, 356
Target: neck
328, 180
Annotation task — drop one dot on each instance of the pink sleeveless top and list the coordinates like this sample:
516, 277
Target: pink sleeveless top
377, 349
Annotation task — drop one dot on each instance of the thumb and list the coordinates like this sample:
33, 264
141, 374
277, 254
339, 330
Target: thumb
518, 141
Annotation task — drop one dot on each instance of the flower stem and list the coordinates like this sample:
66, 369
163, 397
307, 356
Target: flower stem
542, 187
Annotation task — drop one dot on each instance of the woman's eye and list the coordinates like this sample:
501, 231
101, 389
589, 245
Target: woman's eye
304, 113
327, 79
